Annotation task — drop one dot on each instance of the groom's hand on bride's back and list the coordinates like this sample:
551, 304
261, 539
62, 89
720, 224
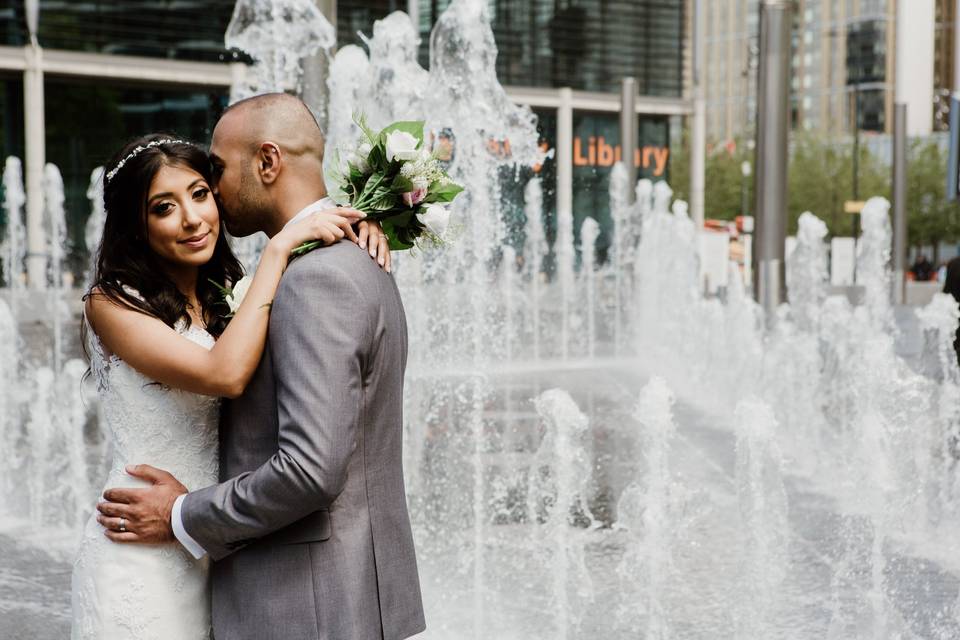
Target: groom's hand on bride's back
141, 515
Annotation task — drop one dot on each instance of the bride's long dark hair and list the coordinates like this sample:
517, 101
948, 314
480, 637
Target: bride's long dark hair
125, 260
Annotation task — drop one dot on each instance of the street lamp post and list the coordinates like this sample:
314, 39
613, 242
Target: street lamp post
856, 155
771, 155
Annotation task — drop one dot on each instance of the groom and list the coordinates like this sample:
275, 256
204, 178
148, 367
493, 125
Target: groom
309, 527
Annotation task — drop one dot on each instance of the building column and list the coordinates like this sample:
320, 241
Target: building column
628, 134
413, 10
316, 70
35, 145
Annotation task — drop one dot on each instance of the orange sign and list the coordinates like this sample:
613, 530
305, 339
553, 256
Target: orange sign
600, 153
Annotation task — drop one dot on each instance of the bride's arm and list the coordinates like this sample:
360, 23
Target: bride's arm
160, 353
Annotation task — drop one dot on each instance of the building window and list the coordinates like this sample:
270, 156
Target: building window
357, 16
11, 130
165, 29
11, 116
13, 24
587, 45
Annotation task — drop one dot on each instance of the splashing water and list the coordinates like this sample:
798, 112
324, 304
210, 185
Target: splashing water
56, 223
14, 245
279, 35
93, 231
564, 453
762, 499
873, 259
807, 275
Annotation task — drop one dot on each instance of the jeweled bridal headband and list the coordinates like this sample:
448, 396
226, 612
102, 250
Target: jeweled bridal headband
139, 149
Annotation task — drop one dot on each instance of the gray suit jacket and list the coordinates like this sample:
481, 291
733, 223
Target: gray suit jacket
309, 527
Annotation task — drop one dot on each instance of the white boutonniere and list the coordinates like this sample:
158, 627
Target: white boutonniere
233, 296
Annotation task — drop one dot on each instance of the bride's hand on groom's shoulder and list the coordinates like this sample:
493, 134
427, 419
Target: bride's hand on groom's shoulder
375, 241
141, 515
327, 226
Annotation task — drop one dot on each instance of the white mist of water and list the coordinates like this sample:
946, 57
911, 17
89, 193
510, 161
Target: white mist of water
56, 223
535, 248
279, 35
807, 274
564, 451
9, 400
589, 232
939, 319
93, 231
395, 85
764, 526
654, 412
873, 258
14, 245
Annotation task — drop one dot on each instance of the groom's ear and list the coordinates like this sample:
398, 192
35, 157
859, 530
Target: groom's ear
269, 161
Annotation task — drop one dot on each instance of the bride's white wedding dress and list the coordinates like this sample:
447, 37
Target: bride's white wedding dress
146, 592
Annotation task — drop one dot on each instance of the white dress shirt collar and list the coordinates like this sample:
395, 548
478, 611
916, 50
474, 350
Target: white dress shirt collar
323, 203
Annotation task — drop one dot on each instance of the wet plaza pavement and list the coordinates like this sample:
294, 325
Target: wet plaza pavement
512, 577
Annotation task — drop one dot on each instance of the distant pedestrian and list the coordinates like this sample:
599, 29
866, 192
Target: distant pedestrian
922, 269
951, 285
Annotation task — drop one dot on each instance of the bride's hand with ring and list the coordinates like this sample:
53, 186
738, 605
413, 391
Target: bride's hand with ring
372, 238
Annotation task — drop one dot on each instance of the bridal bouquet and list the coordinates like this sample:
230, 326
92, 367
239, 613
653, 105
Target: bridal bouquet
393, 179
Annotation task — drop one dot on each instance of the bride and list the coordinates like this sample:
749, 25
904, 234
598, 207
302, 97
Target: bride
164, 348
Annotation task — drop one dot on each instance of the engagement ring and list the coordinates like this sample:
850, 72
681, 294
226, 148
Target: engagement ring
123, 525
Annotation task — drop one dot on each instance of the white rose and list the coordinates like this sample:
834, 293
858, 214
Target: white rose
401, 146
239, 292
435, 218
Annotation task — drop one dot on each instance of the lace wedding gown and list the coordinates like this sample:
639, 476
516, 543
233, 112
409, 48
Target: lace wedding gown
146, 592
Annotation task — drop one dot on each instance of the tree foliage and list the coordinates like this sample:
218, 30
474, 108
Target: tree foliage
821, 179
931, 218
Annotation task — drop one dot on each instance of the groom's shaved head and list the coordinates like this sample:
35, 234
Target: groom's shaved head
275, 117
265, 151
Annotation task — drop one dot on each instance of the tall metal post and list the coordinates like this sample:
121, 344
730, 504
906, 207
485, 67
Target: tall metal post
698, 129
771, 160
628, 134
856, 157
899, 200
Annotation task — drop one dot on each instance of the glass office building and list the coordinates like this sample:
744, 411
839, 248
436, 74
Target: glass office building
115, 69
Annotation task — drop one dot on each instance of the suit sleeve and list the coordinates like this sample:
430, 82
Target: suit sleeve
321, 320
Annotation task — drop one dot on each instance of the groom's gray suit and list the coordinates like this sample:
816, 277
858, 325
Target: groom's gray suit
309, 526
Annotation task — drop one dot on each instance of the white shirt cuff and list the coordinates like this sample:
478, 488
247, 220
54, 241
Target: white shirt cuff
181, 534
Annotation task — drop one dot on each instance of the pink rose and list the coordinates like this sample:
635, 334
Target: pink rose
415, 197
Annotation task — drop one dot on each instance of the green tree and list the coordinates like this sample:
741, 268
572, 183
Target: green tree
931, 218
722, 177
821, 180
